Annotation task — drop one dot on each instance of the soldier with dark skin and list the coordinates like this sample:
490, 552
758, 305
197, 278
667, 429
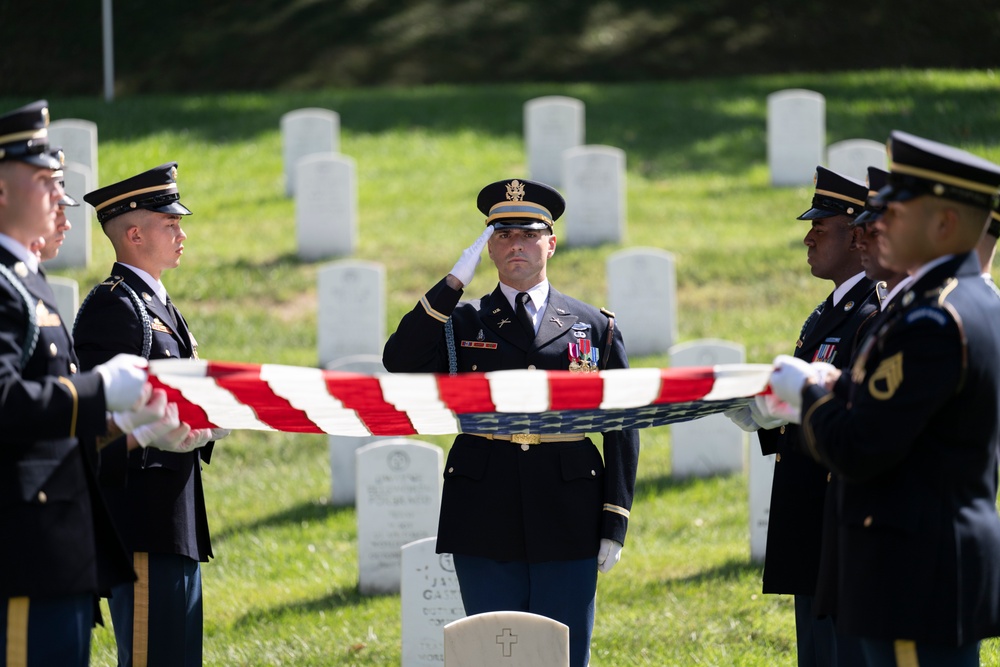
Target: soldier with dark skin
800, 486
913, 428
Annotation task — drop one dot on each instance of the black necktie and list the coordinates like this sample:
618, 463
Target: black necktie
522, 313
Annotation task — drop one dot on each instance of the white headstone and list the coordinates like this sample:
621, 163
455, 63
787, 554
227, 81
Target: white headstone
326, 206
351, 318
343, 467
761, 476
78, 139
796, 135
305, 132
506, 639
852, 157
399, 496
642, 292
67, 293
552, 124
75, 250
430, 600
712, 445
594, 186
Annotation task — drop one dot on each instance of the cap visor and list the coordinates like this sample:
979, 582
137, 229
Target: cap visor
891, 193
816, 213
866, 217
42, 160
174, 207
68, 201
520, 224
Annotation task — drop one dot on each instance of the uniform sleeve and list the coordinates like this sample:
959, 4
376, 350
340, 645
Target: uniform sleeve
918, 370
418, 345
621, 460
44, 407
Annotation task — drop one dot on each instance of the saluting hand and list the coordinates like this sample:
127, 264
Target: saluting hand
465, 267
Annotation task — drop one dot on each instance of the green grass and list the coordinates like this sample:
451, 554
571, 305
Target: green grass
282, 590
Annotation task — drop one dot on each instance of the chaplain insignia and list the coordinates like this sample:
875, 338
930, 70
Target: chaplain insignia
515, 191
887, 377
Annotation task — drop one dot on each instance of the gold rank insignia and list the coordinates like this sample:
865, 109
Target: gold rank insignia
887, 378
158, 325
45, 317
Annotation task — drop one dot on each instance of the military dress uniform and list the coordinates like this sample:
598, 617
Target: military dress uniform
799, 486
156, 497
60, 546
914, 436
524, 498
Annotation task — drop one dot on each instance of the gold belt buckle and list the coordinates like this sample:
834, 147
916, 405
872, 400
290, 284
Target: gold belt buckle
526, 438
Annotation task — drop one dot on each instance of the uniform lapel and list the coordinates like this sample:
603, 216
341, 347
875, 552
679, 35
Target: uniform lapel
496, 315
557, 319
833, 316
159, 315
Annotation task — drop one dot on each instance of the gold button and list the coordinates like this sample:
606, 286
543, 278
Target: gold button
452, 469
166, 353
525, 448
868, 521
593, 473
42, 498
474, 367
782, 430
531, 367
777, 457
53, 350
829, 476
72, 367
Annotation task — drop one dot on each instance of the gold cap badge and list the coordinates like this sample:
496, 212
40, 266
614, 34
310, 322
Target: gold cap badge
515, 191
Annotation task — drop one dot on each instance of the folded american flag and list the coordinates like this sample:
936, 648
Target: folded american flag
295, 399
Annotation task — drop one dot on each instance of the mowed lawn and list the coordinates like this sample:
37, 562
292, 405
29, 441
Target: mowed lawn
282, 588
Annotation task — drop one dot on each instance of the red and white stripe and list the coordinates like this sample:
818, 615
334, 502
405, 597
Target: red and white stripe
296, 399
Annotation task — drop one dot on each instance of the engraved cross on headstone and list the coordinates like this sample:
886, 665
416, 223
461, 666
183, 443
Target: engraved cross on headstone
508, 639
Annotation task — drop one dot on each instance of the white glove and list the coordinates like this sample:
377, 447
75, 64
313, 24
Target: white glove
608, 555
828, 373
789, 377
166, 432
466, 265
767, 418
150, 411
742, 417
195, 439
776, 411
219, 433
124, 377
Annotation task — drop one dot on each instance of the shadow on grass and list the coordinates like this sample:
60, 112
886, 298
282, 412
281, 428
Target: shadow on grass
716, 124
339, 598
308, 511
731, 570
656, 486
